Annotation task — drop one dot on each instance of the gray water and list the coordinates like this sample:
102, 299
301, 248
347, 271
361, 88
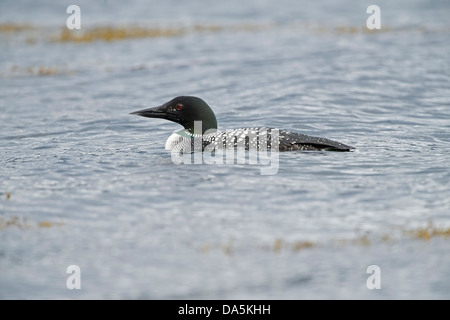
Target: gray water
84, 183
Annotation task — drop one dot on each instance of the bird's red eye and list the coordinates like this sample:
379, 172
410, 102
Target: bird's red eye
179, 106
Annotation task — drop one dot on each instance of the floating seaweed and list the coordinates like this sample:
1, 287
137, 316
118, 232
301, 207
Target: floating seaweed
24, 223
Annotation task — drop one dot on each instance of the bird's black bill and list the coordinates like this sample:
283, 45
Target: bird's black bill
157, 112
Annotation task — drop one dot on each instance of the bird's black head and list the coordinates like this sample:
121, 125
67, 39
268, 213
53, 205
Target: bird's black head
184, 110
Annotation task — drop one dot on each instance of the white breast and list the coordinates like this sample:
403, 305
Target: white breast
173, 141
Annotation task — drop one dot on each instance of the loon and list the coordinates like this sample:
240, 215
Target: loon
196, 116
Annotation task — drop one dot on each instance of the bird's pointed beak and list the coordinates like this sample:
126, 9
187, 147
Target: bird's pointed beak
158, 112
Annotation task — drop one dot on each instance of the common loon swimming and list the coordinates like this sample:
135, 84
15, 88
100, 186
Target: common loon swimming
196, 116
